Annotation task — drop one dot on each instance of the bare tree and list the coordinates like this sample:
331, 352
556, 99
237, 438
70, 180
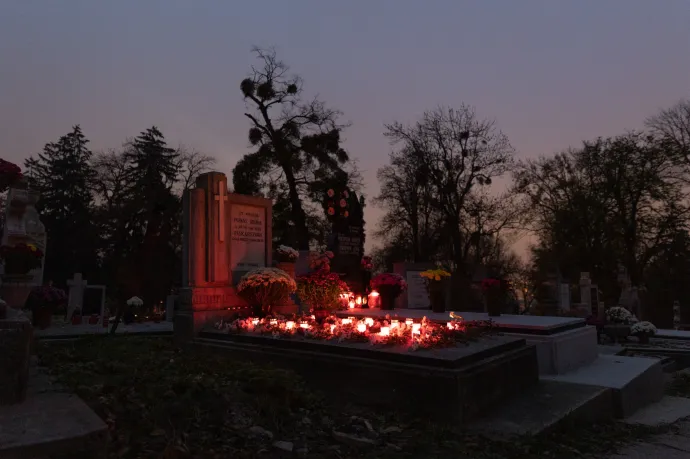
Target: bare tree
457, 152
673, 125
192, 163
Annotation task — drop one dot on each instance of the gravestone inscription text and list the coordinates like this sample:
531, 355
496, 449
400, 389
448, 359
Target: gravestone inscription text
417, 297
247, 237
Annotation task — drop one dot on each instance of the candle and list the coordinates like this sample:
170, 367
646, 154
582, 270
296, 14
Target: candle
409, 322
346, 321
369, 321
361, 328
304, 325
416, 329
395, 323
385, 331
289, 325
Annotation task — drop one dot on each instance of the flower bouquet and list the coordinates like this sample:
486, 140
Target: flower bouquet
320, 290
20, 258
336, 204
494, 296
320, 261
643, 330
389, 286
366, 264
287, 254
435, 281
42, 302
620, 315
264, 287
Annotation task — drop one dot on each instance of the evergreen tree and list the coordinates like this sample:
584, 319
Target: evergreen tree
152, 212
63, 176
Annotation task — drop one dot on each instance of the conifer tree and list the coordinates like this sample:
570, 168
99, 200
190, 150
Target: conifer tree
63, 176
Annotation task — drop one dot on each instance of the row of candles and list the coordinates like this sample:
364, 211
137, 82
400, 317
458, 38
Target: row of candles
362, 326
356, 301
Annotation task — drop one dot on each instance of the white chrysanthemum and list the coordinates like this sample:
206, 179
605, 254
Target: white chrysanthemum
643, 328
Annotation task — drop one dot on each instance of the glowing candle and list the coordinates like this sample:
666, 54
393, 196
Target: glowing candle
358, 300
369, 321
409, 322
332, 327
361, 328
374, 293
416, 329
274, 322
450, 325
289, 325
385, 331
304, 325
346, 321
395, 323
255, 321
313, 317
351, 304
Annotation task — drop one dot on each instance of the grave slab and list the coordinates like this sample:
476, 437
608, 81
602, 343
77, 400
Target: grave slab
563, 343
635, 381
543, 407
452, 384
666, 411
50, 421
673, 334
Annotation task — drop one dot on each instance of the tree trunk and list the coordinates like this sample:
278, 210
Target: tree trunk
298, 214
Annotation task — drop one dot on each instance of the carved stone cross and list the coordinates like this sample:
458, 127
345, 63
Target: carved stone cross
221, 197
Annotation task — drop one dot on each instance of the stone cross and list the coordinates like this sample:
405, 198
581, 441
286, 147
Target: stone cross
76, 293
221, 198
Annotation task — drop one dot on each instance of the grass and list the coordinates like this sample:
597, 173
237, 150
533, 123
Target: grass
160, 401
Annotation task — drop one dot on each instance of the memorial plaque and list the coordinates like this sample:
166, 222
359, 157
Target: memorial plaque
417, 297
247, 237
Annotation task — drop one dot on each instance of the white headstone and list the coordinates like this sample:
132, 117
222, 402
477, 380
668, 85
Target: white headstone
417, 296
76, 294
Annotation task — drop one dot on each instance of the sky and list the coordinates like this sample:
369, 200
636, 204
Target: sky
550, 72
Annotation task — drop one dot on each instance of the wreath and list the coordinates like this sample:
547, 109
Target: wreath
337, 203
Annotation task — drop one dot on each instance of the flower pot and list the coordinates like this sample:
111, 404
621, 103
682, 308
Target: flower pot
93, 320
288, 267
41, 318
387, 300
437, 299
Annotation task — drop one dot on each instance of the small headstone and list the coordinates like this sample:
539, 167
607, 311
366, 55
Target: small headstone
76, 294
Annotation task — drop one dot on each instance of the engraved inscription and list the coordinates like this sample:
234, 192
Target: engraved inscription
248, 237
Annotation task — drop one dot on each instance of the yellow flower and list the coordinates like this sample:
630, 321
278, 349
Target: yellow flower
32, 247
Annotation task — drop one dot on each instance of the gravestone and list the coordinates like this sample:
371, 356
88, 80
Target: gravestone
225, 235
75, 297
347, 242
22, 226
416, 296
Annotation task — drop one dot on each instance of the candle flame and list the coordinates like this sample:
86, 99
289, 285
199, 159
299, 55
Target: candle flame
385, 331
374, 293
361, 328
369, 321
289, 325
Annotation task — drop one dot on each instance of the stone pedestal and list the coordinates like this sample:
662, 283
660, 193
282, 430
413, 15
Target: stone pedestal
16, 334
200, 307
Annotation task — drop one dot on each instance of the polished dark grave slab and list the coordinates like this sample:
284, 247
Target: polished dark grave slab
453, 384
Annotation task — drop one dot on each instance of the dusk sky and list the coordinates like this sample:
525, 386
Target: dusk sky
551, 72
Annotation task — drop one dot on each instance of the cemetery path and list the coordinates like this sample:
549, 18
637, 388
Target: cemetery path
675, 445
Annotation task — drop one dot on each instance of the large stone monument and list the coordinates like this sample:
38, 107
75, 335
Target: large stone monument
22, 226
225, 235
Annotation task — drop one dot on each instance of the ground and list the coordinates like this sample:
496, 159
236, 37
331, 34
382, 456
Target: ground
161, 401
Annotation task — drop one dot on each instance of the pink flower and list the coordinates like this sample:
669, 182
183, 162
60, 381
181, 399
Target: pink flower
331, 193
331, 211
343, 203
